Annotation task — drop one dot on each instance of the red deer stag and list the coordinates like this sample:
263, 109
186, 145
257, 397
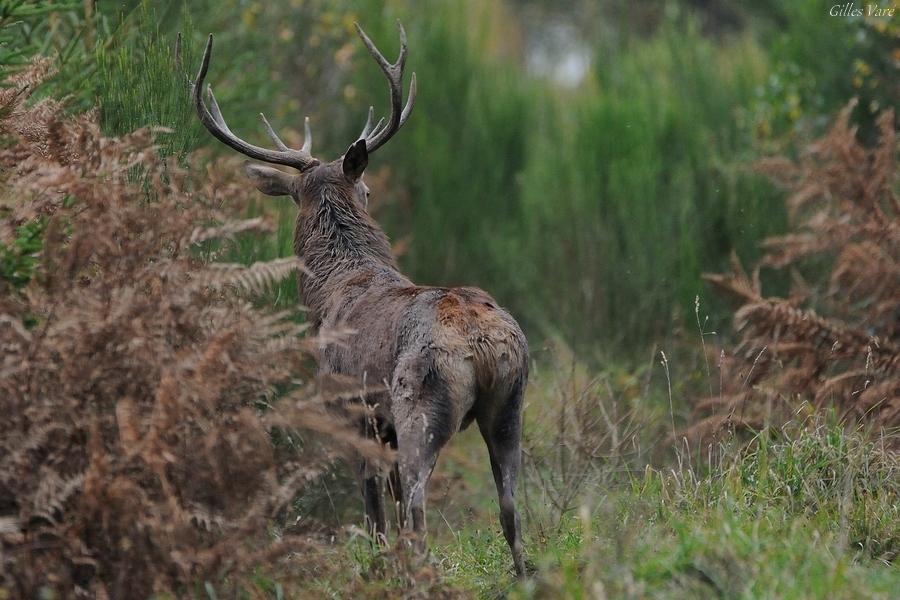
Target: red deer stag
447, 356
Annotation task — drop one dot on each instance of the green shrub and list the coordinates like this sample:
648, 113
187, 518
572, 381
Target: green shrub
20, 259
589, 212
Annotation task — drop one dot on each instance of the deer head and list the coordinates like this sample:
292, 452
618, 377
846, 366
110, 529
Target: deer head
316, 179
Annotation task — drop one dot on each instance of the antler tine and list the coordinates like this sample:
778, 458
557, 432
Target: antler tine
394, 73
272, 135
307, 136
214, 109
367, 128
212, 119
378, 127
410, 99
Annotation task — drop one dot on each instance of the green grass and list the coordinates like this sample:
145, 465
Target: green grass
806, 511
813, 515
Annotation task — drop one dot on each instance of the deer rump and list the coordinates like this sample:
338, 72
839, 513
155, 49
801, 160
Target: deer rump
447, 356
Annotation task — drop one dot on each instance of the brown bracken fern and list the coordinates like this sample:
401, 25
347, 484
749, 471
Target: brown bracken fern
138, 386
835, 340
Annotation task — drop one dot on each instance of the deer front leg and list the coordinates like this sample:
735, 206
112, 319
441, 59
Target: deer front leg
373, 502
371, 483
392, 482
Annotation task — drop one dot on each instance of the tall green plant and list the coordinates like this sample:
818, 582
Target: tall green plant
638, 185
588, 212
20, 35
141, 80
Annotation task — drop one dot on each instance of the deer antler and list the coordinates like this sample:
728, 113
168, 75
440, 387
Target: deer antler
214, 122
377, 136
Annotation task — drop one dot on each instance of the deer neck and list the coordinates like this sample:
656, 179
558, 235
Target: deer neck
338, 241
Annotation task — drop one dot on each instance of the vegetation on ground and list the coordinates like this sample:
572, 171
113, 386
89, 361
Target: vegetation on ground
139, 390
640, 176
164, 435
834, 339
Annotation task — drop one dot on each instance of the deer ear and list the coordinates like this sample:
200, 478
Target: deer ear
355, 160
269, 181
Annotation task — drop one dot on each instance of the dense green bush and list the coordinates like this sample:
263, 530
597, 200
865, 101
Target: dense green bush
590, 212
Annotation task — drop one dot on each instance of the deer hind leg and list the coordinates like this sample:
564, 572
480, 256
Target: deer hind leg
419, 441
415, 464
502, 433
422, 420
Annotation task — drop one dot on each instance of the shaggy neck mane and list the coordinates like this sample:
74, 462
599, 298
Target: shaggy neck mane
336, 239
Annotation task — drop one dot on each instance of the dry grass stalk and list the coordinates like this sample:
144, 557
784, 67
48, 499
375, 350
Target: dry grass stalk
576, 445
835, 341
